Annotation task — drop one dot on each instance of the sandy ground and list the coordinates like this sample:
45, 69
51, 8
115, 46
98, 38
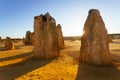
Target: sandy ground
19, 64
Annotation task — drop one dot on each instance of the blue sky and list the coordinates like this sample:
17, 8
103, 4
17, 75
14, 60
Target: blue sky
17, 16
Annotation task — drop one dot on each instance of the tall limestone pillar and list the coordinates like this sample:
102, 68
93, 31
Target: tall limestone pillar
60, 37
45, 37
94, 43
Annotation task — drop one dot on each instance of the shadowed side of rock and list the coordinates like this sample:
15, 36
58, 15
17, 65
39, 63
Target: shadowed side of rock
45, 37
0, 39
94, 43
32, 39
60, 37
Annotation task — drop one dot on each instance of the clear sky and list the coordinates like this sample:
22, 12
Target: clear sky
17, 16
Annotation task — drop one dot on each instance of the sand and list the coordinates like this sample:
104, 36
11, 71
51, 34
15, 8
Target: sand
19, 64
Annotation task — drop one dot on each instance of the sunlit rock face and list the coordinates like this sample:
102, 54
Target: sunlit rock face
94, 43
45, 37
28, 38
60, 37
9, 44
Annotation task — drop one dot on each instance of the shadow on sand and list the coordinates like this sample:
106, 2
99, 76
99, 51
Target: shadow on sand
116, 50
92, 72
116, 42
16, 56
10, 72
2, 49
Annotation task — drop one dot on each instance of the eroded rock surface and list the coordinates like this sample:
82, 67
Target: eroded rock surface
45, 37
60, 37
94, 43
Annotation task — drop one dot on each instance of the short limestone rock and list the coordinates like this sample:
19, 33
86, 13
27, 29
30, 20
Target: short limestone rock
9, 44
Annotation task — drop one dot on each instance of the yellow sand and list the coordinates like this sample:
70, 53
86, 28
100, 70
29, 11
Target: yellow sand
19, 65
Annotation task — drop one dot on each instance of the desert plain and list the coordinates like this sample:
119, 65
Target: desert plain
20, 64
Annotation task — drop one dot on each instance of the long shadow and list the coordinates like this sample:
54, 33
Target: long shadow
13, 71
15, 57
116, 42
116, 50
92, 72
2, 49
21, 46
